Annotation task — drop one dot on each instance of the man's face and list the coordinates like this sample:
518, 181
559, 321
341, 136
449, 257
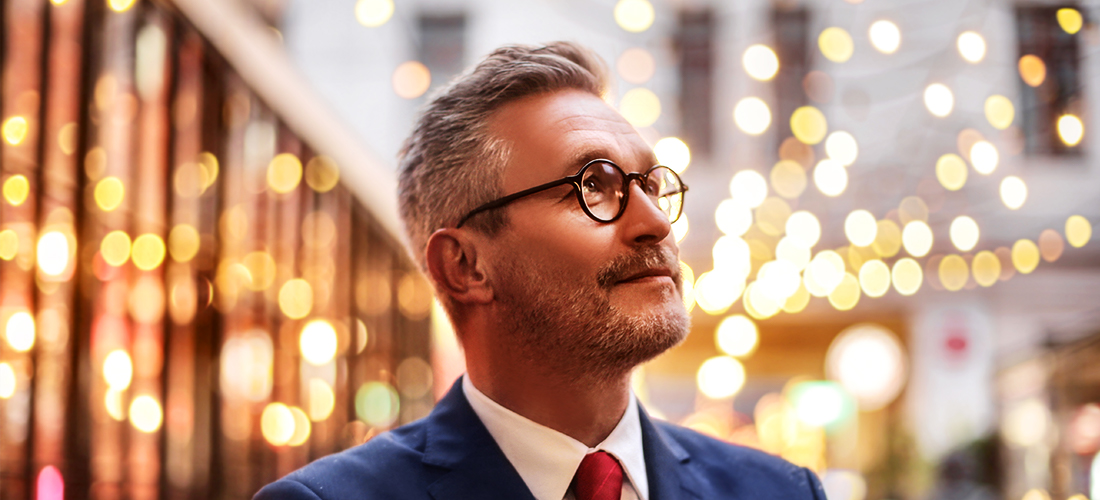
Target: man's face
578, 293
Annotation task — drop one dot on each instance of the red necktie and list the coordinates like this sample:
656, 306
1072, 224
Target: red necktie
600, 477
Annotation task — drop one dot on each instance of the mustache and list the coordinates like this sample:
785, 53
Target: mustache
628, 264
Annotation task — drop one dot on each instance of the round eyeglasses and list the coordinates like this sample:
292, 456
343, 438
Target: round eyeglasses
603, 190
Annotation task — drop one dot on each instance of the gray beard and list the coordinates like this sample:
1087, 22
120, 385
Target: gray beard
575, 332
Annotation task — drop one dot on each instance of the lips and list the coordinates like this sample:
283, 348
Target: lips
647, 273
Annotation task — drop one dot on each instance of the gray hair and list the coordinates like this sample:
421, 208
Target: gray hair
452, 163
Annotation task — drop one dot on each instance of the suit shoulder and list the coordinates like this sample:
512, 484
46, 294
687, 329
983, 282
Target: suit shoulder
365, 471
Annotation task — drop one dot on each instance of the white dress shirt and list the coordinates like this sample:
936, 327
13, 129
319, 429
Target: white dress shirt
547, 460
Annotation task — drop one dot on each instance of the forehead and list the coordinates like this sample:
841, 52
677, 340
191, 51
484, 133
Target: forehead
554, 134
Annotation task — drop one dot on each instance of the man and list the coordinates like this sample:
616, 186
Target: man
539, 215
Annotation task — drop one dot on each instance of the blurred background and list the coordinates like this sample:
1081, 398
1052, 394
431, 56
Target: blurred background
888, 235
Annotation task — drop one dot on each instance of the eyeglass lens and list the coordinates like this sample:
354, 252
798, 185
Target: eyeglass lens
602, 190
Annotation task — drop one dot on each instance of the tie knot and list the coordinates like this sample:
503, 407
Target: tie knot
600, 477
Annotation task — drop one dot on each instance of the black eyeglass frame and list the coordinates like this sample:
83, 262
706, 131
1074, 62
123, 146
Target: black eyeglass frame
575, 180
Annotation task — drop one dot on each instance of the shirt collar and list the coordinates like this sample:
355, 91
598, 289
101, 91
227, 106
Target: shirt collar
546, 459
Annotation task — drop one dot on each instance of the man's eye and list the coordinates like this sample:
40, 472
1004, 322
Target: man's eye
592, 185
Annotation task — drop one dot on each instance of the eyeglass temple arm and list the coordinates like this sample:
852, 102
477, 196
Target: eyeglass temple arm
500, 202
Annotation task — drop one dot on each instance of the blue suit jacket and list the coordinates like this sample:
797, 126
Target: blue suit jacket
450, 455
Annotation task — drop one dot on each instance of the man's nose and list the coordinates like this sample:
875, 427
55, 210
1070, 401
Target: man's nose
644, 222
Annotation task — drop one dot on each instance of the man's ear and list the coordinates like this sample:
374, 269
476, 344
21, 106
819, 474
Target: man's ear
452, 261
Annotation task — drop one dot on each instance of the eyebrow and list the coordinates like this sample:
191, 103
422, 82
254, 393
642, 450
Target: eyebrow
583, 156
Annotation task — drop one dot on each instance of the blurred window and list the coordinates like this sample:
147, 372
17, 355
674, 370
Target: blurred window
1039, 34
442, 45
695, 48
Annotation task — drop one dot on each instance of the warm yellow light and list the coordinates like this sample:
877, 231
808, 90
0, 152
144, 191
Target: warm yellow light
687, 274
752, 115
411, 79
1013, 192
827, 270
121, 5
984, 157
1035, 493
260, 267
860, 227
210, 168
680, 228
737, 335
771, 216
907, 276
183, 242
1025, 256
885, 36
916, 237
277, 424
20, 331
1033, 71
16, 189
109, 193
788, 179
797, 302
951, 171
634, 16
841, 147
793, 250
846, 294
808, 124
804, 227
717, 290
112, 402
971, 46
118, 370
912, 208
986, 268
9, 244
999, 111
953, 272
1078, 231
145, 414
830, 177
720, 377
322, 174
296, 298
640, 107
636, 65
7, 381
147, 252
964, 233
733, 218
760, 62
1070, 130
301, 427
874, 278
284, 173
938, 99
15, 130
321, 400
887, 239
1070, 20
748, 188
53, 253
115, 248
373, 13
758, 302
673, 153
777, 280
318, 342
835, 44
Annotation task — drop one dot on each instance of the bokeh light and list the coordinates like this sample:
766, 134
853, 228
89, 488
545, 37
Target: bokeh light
938, 99
673, 153
636, 65
1033, 71
118, 370
1051, 245
640, 107
50, 485
411, 79
318, 342
826, 270
794, 251
819, 403
732, 217
146, 414
986, 268
720, 377
841, 147
53, 253
373, 13
971, 46
777, 280
748, 188
953, 272
1071, 130
964, 233
7, 381
830, 177
147, 252
804, 226
771, 216
183, 242
846, 294
322, 400
916, 237
377, 404
1013, 192
296, 298
301, 427
752, 115
634, 16
912, 208
984, 157
760, 62
808, 124
277, 424
835, 44
860, 227
887, 239
1025, 256
885, 36
322, 174
680, 228
868, 361
284, 173
20, 331
874, 278
1078, 231
951, 171
788, 179
115, 248
16, 189
999, 111
907, 276
9, 244
717, 290
121, 5
1070, 20
15, 130
109, 193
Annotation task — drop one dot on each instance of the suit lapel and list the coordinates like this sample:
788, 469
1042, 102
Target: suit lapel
667, 464
457, 440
